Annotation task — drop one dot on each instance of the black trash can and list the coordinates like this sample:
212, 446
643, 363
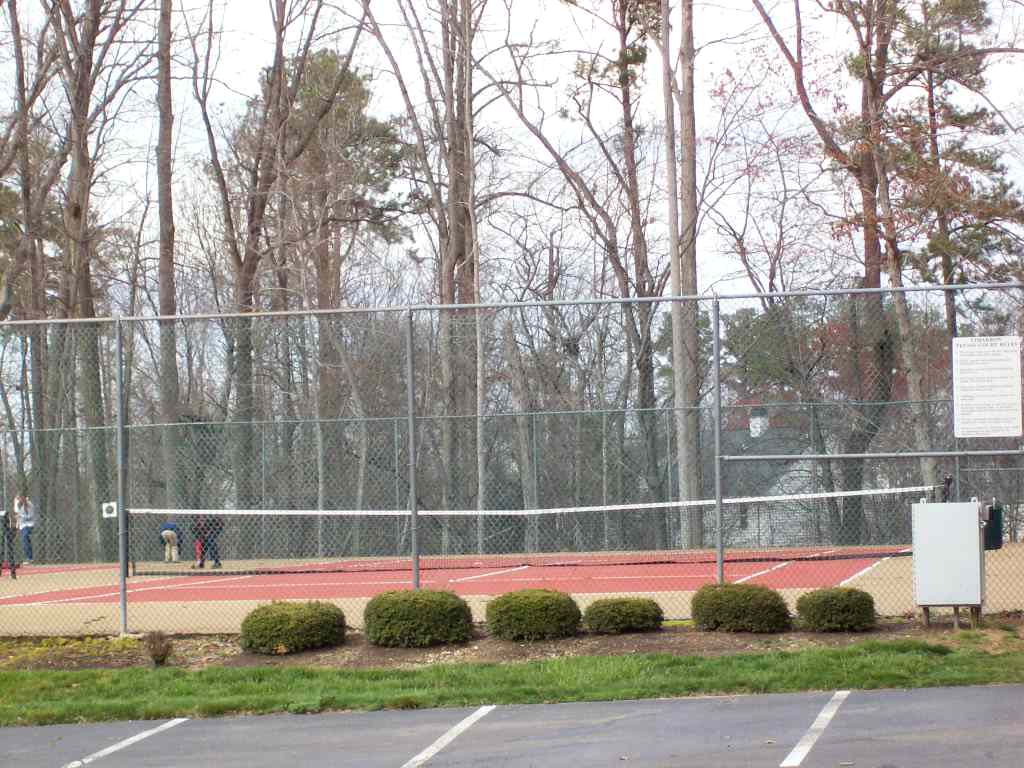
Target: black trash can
994, 527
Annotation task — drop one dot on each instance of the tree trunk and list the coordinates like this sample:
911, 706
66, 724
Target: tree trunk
359, 406
915, 373
685, 357
169, 383
945, 243
331, 444
247, 494
874, 350
521, 406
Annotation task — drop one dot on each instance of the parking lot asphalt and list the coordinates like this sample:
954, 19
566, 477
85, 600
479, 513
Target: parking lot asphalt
865, 729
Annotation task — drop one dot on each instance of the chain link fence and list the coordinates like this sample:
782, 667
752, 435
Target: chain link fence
548, 442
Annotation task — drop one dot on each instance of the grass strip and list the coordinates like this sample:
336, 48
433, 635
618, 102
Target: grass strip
46, 697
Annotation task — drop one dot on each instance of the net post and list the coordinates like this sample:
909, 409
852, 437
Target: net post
410, 389
717, 386
956, 475
122, 513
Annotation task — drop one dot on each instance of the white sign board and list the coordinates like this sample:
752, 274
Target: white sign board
986, 386
948, 556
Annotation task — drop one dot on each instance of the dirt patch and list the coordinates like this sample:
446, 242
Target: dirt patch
1000, 633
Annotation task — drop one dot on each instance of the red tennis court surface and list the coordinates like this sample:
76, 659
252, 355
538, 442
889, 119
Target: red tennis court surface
574, 574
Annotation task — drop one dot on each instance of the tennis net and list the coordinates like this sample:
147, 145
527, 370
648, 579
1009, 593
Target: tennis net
820, 526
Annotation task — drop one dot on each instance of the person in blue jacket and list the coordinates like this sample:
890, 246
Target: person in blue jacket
170, 533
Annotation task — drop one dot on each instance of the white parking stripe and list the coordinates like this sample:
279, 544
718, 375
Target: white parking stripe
794, 758
126, 743
447, 738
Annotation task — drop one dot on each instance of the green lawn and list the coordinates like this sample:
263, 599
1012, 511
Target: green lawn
43, 697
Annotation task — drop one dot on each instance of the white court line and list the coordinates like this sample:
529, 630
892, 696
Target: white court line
561, 579
447, 738
126, 743
485, 575
298, 584
134, 591
826, 552
803, 747
871, 567
30, 594
762, 573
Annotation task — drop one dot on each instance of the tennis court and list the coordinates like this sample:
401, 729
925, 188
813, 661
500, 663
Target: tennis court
346, 557
46, 599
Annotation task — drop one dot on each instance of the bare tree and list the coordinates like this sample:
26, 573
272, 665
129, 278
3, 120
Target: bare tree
99, 65
683, 263
869, 331
15, 144
169, 384
444, 139
895, 49
273, 150
619, 154
37, 174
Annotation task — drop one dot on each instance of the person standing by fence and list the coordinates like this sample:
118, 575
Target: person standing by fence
198, 526
25, 520
7, 543
206, 530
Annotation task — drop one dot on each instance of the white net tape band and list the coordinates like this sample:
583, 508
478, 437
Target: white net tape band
654, 505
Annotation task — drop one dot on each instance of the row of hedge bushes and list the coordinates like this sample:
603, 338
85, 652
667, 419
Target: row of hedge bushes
427, 617
753, 608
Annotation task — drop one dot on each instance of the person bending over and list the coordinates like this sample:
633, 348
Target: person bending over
170, 534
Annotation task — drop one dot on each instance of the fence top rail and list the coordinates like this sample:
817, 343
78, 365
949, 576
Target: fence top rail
634, 300
869, 291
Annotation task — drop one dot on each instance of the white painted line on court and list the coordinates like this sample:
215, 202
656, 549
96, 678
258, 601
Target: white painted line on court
126, 743
131, 591
447, 738
29, 594
826, 552
762, 573
644, 577
302, 584
803, 747
491, 573
871, 567
589, 579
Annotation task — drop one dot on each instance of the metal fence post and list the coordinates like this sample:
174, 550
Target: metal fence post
410, 388
122, 513
604, 474
717, 366
536, 478
669, 418
398, 460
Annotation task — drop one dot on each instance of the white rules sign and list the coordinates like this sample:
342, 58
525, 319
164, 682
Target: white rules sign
986, 386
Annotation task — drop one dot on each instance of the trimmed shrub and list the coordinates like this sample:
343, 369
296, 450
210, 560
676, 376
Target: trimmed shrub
159, 647
285, 627
417, 619
739, 608
615, 615
840, 609
533, 614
